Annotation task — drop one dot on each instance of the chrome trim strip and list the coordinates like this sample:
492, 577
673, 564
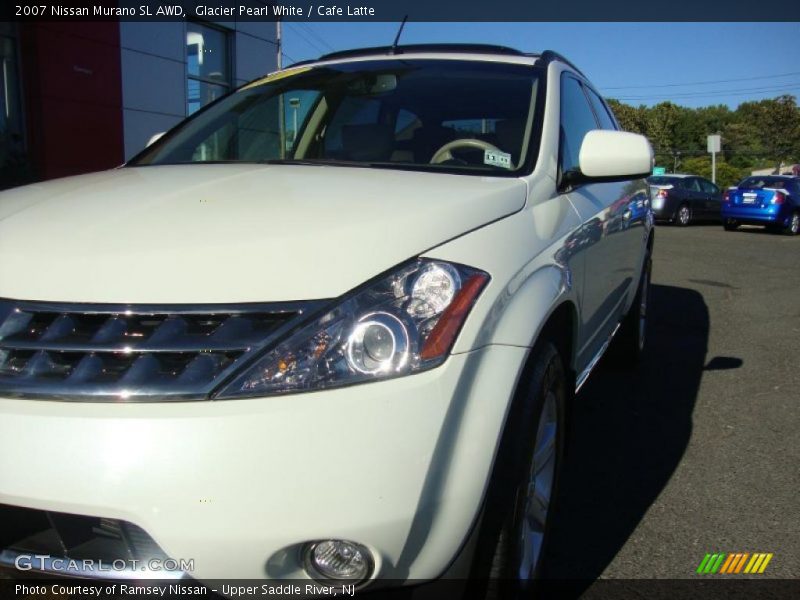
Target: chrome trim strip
596, 359
90, 308
133, 348
60, 566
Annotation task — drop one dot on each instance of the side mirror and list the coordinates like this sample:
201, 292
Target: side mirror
153, 139
614, 156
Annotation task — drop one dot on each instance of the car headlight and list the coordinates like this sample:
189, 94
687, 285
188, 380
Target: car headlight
403, 323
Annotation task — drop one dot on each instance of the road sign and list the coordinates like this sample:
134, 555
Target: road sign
659, 170
714, 146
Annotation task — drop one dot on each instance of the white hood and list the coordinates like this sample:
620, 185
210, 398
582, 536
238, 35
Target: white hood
231, 233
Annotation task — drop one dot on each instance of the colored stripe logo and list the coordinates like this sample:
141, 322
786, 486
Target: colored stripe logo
733, 563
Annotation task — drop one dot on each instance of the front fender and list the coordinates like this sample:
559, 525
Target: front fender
523, 307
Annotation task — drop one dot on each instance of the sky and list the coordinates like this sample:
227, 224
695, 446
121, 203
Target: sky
691, 64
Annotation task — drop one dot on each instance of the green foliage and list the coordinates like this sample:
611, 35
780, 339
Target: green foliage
727, 174
760, 133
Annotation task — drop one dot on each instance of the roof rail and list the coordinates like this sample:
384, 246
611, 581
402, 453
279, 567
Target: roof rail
455, 48
549, 56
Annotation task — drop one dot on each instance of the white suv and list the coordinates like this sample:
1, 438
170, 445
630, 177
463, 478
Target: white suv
328, 328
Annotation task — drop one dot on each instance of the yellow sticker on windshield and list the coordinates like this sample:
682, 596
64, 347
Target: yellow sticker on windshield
275, 76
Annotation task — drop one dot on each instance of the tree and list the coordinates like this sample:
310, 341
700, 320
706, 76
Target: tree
755, 135
740, 144
776, 126
630, 118
727, 174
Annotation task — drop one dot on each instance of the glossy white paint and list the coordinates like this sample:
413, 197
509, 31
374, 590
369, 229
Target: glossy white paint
400, 466
233, 484
615, 154
231, 233
154, 138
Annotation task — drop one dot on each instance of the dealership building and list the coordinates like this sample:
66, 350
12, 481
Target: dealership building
83, 96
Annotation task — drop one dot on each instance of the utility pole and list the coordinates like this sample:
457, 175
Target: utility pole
281, 108
278, 43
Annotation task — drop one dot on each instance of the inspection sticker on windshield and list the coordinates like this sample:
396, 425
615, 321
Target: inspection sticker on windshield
496, 158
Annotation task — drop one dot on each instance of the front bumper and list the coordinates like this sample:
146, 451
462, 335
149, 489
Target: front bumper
238, 486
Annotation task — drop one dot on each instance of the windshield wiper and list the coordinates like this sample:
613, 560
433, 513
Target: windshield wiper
425, 167
315, 162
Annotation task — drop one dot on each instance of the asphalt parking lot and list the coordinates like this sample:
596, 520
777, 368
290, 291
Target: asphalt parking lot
699, 450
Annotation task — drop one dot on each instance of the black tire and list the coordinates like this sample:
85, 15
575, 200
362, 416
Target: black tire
730, 224
628, 345
540, 400
793, 228
683, 217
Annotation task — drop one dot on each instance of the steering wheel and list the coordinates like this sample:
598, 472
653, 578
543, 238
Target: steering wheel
445, 152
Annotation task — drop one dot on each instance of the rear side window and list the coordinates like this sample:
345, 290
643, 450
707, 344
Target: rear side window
708, 187
577, 119
606, 122
692, 184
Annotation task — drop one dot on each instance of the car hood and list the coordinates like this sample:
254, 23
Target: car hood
231, 233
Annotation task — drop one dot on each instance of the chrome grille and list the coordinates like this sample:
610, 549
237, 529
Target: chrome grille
121, 352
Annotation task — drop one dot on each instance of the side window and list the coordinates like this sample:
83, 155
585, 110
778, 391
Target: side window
606, 122
708, 187
693, 184
577, 119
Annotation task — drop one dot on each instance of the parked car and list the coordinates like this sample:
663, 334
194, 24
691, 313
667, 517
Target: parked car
684, 199
770, 200
347, 362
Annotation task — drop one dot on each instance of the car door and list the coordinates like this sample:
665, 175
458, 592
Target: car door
614, 247
696, 197
713, 202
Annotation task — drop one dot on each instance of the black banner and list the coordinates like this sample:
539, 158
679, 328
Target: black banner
414, 10
698, 588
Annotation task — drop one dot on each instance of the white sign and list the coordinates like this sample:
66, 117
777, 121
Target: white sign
714, 143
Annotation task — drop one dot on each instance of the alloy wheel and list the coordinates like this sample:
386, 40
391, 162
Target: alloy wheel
540, 488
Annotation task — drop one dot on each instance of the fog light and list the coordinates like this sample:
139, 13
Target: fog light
338, 559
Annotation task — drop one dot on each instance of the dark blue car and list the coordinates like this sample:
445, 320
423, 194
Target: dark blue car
771, 200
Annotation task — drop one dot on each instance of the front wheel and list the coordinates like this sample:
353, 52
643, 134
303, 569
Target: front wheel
794, 225
519, 505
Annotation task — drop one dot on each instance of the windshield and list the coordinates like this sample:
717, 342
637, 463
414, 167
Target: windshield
467, 116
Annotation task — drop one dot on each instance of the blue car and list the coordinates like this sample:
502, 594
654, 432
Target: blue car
771, 200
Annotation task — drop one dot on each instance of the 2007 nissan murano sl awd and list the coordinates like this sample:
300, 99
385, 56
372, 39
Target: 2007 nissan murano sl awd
327, 328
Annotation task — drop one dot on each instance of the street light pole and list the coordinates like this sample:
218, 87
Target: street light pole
278, 42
